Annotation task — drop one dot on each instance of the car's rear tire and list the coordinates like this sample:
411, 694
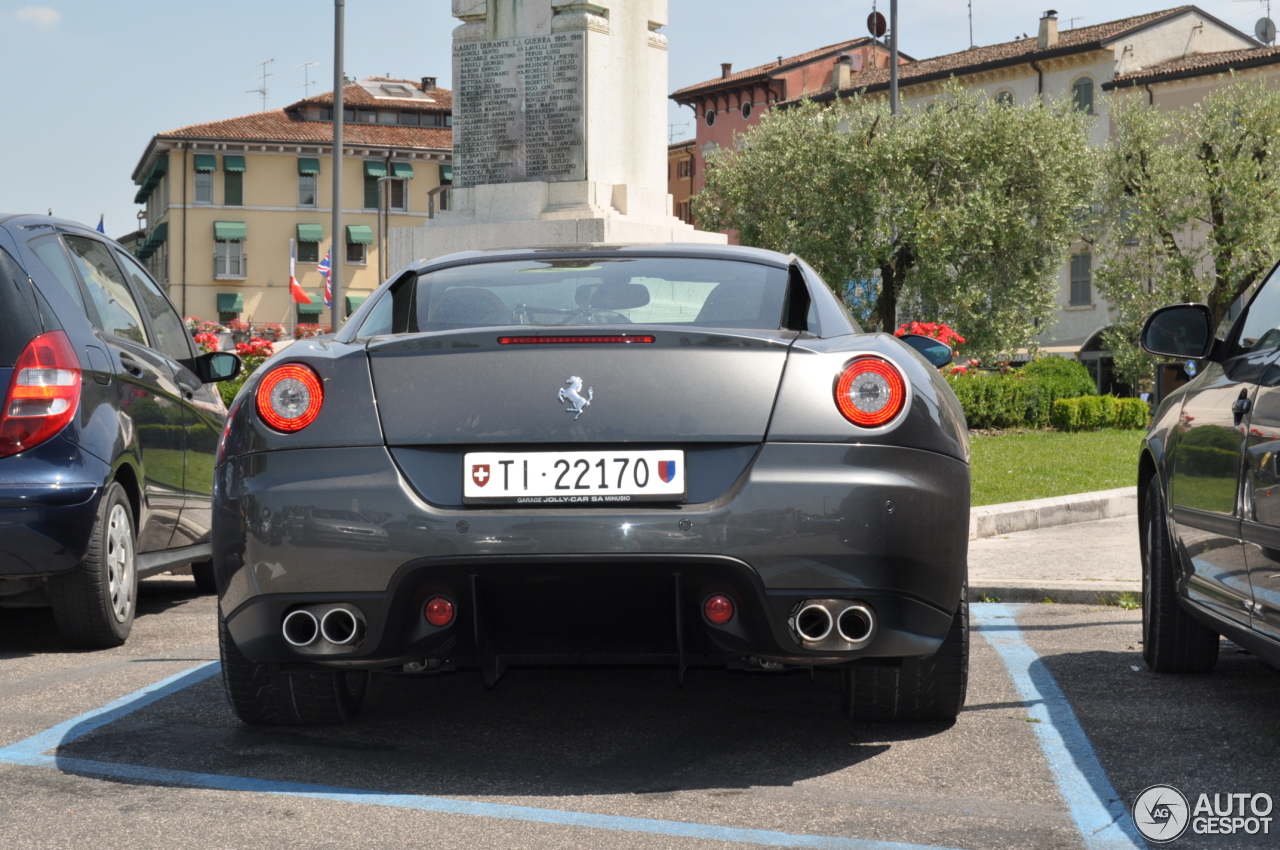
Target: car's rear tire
263, 695
203, 574
931, 688
1172, 640
94, 604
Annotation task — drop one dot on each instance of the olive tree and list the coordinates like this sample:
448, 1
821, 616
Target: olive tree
963, 212
1189, 203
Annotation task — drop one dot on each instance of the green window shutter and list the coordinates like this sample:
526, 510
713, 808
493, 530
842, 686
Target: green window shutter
446, 174
403, 170
206, 162
375, 168
230, 231
1081, 280
308, 166
370, 192
310, 233
1082, 95
153, 179
230, 302
232, 163
359, 234
308, 252
233, 189
311, 310
354, 302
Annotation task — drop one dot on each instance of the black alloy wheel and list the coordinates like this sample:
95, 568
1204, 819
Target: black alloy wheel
263, 695
1172, 640
931, 688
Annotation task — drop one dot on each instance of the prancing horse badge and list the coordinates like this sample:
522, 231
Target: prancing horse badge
573, 395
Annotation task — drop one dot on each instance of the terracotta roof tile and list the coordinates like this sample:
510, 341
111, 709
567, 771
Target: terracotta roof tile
1201, 64
1007, 53
768, 69
354, 95
283, 125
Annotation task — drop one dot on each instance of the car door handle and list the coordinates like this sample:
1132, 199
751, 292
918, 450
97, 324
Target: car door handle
130, 365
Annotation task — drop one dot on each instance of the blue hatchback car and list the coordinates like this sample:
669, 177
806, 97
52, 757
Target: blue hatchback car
108, 429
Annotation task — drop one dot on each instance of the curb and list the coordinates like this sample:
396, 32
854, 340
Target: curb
1065, 592
1010, 517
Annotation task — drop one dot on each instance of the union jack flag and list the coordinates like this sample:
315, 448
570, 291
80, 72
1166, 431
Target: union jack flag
328, 285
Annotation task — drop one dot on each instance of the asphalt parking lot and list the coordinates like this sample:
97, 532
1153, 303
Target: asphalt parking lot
1057, 717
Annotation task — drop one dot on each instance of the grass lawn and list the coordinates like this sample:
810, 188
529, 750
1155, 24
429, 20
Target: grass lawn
1040, 464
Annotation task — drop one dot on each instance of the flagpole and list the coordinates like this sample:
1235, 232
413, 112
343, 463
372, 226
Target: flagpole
339, 79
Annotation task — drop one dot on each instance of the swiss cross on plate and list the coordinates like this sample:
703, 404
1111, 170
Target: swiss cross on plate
480, 474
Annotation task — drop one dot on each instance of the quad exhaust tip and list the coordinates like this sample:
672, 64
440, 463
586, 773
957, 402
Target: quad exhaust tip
300, 628
339, 626
813, 623
834, 624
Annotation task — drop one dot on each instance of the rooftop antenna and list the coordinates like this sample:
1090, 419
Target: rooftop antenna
306, 76
971, 24
671, 131
1264, 30
262, 87
1071, 22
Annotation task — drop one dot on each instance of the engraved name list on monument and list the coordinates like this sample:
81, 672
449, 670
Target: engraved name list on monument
520, 110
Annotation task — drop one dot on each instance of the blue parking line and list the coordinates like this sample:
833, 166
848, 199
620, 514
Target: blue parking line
1099, 813
31, 752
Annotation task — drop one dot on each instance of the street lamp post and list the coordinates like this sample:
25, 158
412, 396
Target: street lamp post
893, 57
335, 260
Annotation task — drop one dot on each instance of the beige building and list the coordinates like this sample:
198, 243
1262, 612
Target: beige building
224, 199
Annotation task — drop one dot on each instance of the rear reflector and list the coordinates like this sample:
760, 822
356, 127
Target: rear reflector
871, 392
569, 340
438, 611
43, 394
289, 397
718, 609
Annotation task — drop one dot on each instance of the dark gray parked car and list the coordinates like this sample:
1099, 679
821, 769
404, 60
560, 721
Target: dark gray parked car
675, 455
1209, 488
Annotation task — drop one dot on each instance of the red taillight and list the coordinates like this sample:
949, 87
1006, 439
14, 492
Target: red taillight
289, 397
568, 340
43, 394
438, 611
718, 609
871, 392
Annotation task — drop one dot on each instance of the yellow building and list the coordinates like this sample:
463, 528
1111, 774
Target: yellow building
224, 199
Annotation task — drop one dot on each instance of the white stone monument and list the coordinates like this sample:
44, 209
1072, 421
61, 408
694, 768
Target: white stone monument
559, 130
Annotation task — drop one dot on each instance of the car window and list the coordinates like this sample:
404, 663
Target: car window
573, 292
171, 333
19, 319
1261, 328
116, 308
49, 250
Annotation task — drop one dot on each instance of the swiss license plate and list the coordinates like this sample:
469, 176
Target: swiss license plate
574, 478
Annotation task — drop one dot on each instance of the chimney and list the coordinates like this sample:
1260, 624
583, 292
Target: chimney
726, 68
428, 83
842, 75
1048, 31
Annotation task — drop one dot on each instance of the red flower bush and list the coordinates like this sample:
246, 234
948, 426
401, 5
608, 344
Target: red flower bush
207, 342
238, 326
933, 330
305, 330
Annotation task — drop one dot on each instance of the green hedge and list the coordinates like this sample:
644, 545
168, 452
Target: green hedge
1091, 413
1021, 398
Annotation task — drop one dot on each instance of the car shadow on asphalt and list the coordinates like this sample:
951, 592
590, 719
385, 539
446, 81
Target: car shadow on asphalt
32, 631
542, 732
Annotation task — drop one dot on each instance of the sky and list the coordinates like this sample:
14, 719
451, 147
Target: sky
90, 82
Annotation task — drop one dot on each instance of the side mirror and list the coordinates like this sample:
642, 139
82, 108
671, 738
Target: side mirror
1181, 331
938, 354
216, 366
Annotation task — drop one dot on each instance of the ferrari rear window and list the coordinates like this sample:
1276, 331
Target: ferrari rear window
583, 292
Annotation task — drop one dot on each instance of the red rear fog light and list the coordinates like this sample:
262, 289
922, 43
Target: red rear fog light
718, 609
438, 611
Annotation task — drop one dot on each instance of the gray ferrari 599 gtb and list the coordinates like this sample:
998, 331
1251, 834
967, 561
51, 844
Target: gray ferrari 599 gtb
678, 455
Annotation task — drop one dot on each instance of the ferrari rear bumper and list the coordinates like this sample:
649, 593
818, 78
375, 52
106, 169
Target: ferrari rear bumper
878, 526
